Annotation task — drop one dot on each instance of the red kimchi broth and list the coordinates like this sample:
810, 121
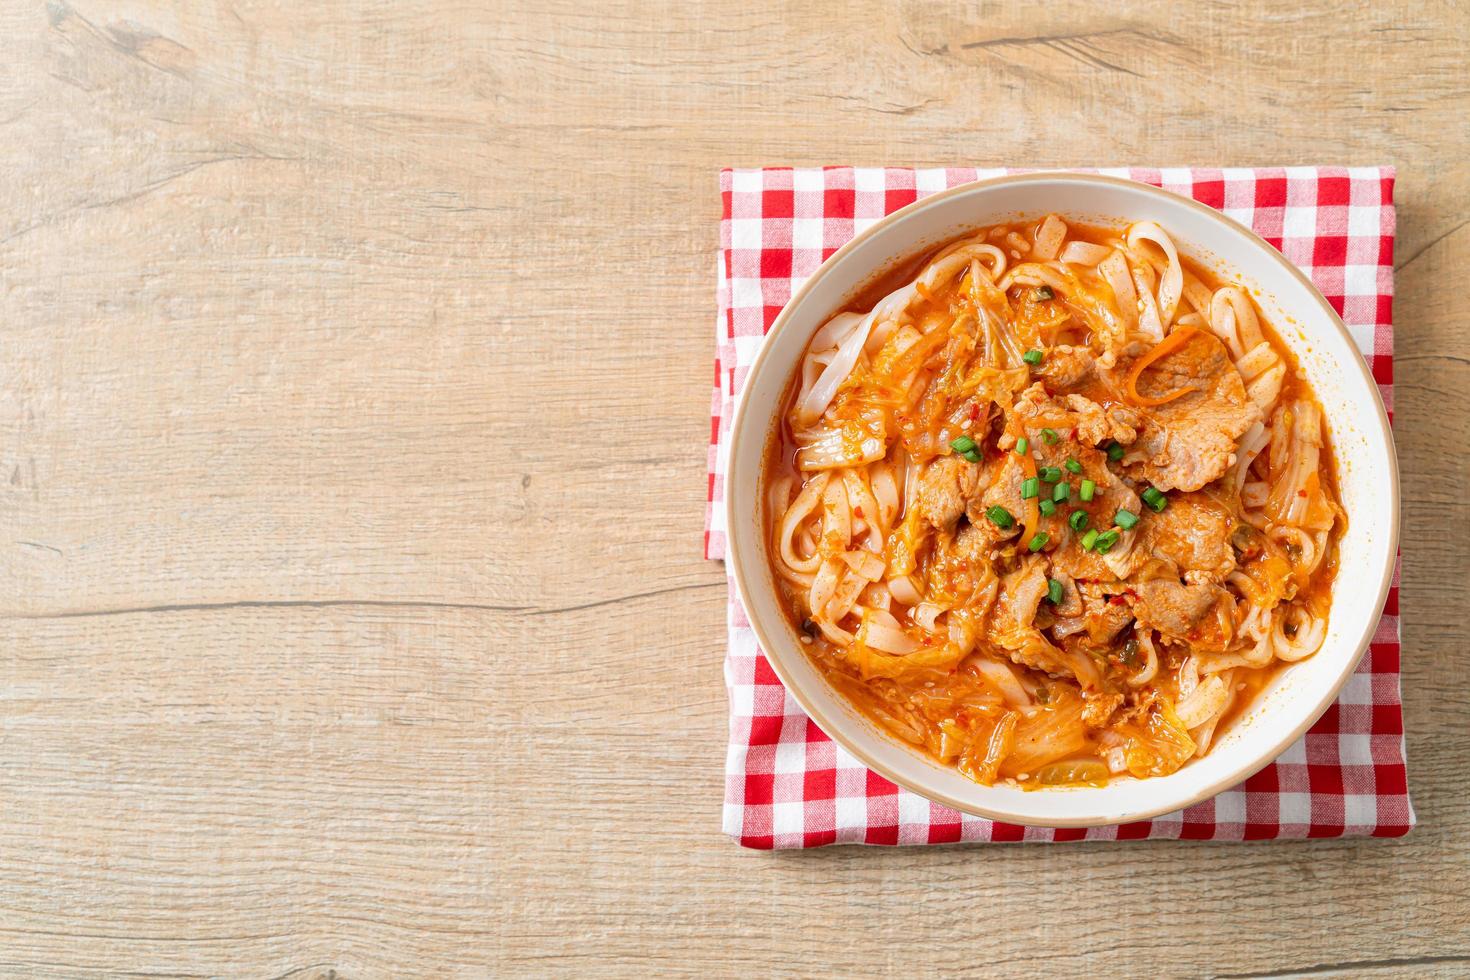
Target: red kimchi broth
1051, 504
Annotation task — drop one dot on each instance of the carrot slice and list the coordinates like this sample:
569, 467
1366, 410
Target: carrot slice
1033, 506
1031, 519
1168, 345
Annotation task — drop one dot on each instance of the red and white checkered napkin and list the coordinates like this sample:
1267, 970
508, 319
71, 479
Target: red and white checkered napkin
786, 783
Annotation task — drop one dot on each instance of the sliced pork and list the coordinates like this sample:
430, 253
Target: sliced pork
945, 486
1190, 441
1172, 607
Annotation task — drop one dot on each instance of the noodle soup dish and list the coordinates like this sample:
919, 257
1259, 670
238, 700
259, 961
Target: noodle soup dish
1050, 502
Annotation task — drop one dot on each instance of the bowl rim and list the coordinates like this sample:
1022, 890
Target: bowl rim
741, 429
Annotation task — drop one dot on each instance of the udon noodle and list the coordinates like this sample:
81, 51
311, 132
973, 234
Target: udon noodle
1055, 506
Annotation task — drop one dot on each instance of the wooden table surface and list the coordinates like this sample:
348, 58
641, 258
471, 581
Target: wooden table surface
354, 388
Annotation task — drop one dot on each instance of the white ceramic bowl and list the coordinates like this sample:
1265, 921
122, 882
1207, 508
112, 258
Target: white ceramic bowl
1368, 475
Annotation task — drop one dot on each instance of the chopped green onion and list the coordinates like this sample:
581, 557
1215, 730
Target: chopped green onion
1029, 488
1089, 539
1155, 499
1072, 465
962, 445
1054, 591
1047, 507
1115, 451
1049, 474
1000, 517
1125, 519
1062, 493
973, 455
1105, 541
1049, 436
1086, 491
1038, 541
1032, 357
1078, 520
1022, 445
1044, 292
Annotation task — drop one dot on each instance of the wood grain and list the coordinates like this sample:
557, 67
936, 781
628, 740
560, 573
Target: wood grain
354, 375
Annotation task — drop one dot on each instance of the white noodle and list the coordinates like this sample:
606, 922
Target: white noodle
834, 331
824, 586
863, 500
865, 564
1251, 444
877, 596
1171, 284
1150, 321
1197, 295
1049, 237
1114, 270
925, 614
1310, 630
1263, 371
836, 517
806, 502
844, 597
1233, 319
1203, 703
885, 638
1084, 253
904, 590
